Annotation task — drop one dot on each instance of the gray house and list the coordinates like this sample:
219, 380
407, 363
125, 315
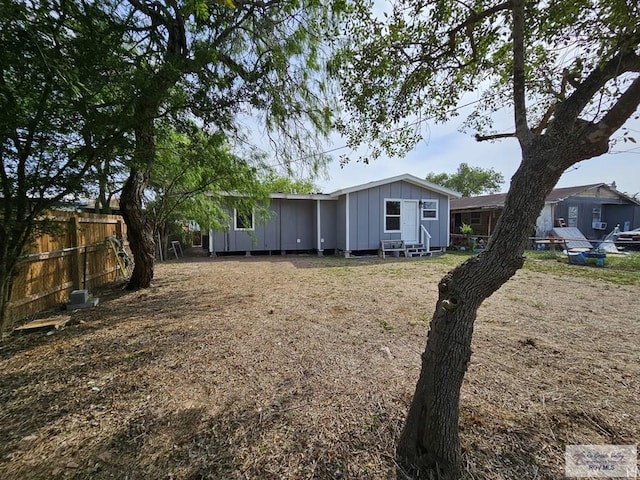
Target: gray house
348, 221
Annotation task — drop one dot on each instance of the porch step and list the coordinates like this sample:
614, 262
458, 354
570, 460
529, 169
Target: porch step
416, 250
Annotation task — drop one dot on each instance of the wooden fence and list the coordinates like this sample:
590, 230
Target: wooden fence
77, 255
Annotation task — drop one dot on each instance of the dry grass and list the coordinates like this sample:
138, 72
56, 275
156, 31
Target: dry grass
300, 367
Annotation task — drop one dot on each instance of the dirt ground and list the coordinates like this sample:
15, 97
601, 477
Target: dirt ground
300, 367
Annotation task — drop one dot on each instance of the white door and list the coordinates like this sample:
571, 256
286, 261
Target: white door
409, 220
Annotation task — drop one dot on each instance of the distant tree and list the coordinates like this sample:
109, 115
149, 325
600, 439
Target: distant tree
469, 180
280, 184
569, 70
190, 180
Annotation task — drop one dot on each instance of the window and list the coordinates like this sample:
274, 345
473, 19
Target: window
476, 218
597, 214
429, 210
243, 219
391, 216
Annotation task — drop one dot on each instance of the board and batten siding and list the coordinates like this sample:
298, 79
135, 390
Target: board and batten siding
265, 236
340, 227
328, 210
366, 215
292, 224
298, 225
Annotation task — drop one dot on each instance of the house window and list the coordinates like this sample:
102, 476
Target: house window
429, 210
597, 214
243, 219
476, 218
391, 216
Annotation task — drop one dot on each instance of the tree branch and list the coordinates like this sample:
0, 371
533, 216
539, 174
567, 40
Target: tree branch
567, 112
519, 88
617, 115
484, 138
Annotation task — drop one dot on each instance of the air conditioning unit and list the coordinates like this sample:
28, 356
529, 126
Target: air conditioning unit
599, 225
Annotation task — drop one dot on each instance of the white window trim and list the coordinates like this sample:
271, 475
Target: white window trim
437, 209
235, 222
384, 215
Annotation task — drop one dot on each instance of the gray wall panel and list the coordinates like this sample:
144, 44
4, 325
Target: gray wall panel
298, 220
373, 219
328, 222
340, 223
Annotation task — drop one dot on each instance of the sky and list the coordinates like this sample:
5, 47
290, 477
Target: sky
445, 147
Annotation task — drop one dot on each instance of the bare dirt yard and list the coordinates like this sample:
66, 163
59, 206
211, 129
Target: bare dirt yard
300, 367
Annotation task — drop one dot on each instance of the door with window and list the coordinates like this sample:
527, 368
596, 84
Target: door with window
572, 217
409, 221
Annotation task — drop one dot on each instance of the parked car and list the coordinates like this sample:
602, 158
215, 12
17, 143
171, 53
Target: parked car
633, 235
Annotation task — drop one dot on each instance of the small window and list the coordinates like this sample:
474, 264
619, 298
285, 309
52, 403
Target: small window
391, 216
476, 218
243, 219
429, 209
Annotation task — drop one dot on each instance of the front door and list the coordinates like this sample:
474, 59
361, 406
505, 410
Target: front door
410, 221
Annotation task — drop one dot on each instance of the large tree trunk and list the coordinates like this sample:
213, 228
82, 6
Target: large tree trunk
429, 446
139, 229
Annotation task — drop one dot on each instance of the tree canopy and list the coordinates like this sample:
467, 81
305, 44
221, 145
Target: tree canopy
416, 63
52, 105
275, 183
469, 180
192, 175
84, 84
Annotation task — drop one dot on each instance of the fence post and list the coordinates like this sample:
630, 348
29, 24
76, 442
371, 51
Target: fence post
76, 263
120, 231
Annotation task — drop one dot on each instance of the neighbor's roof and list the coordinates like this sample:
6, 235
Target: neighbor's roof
557, 195
399, 178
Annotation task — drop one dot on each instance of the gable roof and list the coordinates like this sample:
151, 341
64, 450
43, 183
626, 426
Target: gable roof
557, 195
399, 178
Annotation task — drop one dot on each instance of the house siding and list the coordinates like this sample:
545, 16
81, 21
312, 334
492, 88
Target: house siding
298, 225
366, 215
328, 217
357, 213
341, 233
627, 216
615, 209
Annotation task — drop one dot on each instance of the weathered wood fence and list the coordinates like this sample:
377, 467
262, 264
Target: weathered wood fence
77, 255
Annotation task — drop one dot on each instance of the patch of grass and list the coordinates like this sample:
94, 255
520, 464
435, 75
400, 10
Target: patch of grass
618, 269
452, 259
422, 320
544, 255
629, 262
386, 326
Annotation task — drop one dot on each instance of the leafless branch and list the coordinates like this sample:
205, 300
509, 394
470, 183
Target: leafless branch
495, 136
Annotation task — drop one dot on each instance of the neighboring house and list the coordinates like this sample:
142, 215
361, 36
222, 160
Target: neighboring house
347, 221
594, 209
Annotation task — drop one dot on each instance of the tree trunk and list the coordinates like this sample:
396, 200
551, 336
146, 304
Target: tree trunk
139, 229
429, 446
